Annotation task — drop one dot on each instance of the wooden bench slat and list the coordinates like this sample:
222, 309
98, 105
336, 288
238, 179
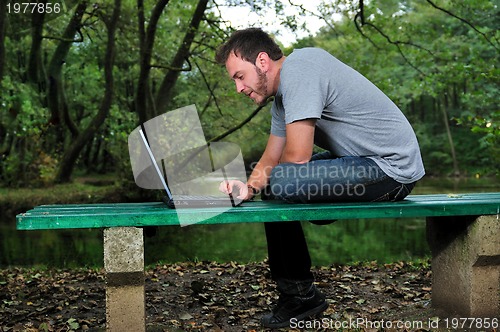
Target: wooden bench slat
157, 214
419, 198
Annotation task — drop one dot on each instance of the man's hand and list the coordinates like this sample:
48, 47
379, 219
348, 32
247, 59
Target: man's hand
232, 186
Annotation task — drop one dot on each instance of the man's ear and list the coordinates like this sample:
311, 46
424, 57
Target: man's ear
263, 61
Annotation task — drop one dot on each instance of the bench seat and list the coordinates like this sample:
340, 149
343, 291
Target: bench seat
157, 214
463, 232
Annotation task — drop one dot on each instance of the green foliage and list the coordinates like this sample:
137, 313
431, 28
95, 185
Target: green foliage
429, 59
72, 324
20, 109
426, 58
488, 130
24, 120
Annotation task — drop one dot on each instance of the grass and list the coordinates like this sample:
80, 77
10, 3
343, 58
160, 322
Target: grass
57, 193
83, 190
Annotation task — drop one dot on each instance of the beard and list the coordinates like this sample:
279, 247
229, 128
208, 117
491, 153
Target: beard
261, 87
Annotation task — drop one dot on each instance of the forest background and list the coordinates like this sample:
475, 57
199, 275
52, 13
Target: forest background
78, 78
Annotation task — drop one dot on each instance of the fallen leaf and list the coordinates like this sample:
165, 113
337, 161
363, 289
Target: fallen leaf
185, 316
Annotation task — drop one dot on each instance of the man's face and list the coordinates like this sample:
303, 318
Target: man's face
249, 79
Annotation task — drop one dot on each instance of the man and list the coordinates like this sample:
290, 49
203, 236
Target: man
371, 152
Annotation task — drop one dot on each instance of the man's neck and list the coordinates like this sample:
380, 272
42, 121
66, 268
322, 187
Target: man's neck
276, 73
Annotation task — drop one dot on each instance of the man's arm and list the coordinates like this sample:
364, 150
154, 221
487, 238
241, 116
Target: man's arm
261, 172
270, 158
299, 142
295, 148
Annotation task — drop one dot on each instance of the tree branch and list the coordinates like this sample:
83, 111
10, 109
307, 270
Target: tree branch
304, 10
188, 68
464, 21
360, 15
397, 43
232, 130
212, 94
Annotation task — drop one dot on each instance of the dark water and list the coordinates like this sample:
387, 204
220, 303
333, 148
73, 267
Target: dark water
345, 241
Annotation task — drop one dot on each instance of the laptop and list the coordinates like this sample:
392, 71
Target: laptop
187, 201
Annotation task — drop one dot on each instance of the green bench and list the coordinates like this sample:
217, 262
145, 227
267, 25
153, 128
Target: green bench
463, 232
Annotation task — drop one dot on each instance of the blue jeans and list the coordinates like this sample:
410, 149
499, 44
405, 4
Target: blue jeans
323, 179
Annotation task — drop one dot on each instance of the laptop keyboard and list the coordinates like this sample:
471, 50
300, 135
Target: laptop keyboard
200, 197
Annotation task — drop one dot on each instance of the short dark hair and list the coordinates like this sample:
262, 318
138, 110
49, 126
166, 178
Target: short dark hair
247, 44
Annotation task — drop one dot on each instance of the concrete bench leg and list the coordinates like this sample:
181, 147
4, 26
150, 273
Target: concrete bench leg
124, 266
465, 265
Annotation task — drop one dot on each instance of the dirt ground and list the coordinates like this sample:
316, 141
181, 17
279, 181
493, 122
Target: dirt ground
219, 297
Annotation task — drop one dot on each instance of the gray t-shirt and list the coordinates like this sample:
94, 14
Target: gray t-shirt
354, 118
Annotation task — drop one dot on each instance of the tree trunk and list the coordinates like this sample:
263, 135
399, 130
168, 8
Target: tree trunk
456, 171
3, 132
146, 42
3, 24
56, 101
164, 94
35, 72
71, 154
